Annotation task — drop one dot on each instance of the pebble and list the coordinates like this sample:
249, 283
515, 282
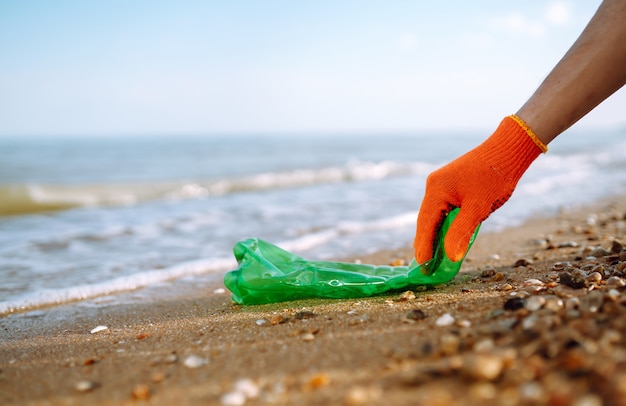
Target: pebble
616, 247
535, 303
158, 376
233, 399
445, 320
416, 314
615, 282
308, 337
522, 262
449, 344
363, 395
595, 277
261, 322
278, 319
248, 387
575, 280
244, 389
141, 392
613, 295
98, 329
486, 367
193, 361
304, 315
85, 386
487, 273
515, 303
553, 303
592, 302
406, 296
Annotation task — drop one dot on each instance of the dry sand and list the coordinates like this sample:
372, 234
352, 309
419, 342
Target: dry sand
516, 334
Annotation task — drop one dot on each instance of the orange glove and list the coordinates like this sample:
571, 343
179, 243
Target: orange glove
478, 182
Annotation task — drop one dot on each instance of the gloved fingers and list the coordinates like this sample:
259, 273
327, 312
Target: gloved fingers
461, 230
429, 219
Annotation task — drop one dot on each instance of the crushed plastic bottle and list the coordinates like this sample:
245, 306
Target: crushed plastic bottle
269, 274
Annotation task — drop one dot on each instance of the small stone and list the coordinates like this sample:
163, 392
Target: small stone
233, 399
588, 399
278, 319
449, 344
170, 359
464, 323
308, 337
576, 279
515, 303
565, 292
85, 386
485, 345
616, 247
304, 314
486, 367
261, 322
416, 314
506, 287
594, 277
498, 277
599, 252
592, 302
158, 376
406, 296
567, 244
535, 303
359, 320
615, 282
445, 320
522, 262
613, 295
488, 273
397, 262
219, 291
193, 361
318, 381
98, 329
553, 303
363, 395
141, 392
248, 387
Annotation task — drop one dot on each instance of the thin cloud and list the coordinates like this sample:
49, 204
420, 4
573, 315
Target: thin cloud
558, 13
407, 43
517, 23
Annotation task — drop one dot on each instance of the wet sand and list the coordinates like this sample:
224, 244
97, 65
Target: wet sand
536, 316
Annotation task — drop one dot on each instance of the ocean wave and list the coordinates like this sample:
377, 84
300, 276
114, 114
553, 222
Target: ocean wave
35, 198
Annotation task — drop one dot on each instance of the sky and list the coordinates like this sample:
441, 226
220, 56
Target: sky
326, 66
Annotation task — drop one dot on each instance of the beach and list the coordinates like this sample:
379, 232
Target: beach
536, 316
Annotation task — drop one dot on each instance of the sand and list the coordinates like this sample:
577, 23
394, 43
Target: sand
465, 342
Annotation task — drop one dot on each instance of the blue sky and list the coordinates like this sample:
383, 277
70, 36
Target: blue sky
146, 67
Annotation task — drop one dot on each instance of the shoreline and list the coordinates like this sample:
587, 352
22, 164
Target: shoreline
195, 346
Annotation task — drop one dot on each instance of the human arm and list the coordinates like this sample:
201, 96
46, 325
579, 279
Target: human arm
483, 179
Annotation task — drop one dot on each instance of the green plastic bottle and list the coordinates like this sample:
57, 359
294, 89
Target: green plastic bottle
268, 274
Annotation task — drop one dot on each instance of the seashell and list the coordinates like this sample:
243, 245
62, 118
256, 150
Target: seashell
533, 282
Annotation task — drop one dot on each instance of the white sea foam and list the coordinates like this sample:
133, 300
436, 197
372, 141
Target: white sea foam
44, 297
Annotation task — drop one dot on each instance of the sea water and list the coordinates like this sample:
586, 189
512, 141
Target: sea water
87, 216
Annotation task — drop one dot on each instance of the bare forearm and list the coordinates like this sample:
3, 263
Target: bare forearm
592, 70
